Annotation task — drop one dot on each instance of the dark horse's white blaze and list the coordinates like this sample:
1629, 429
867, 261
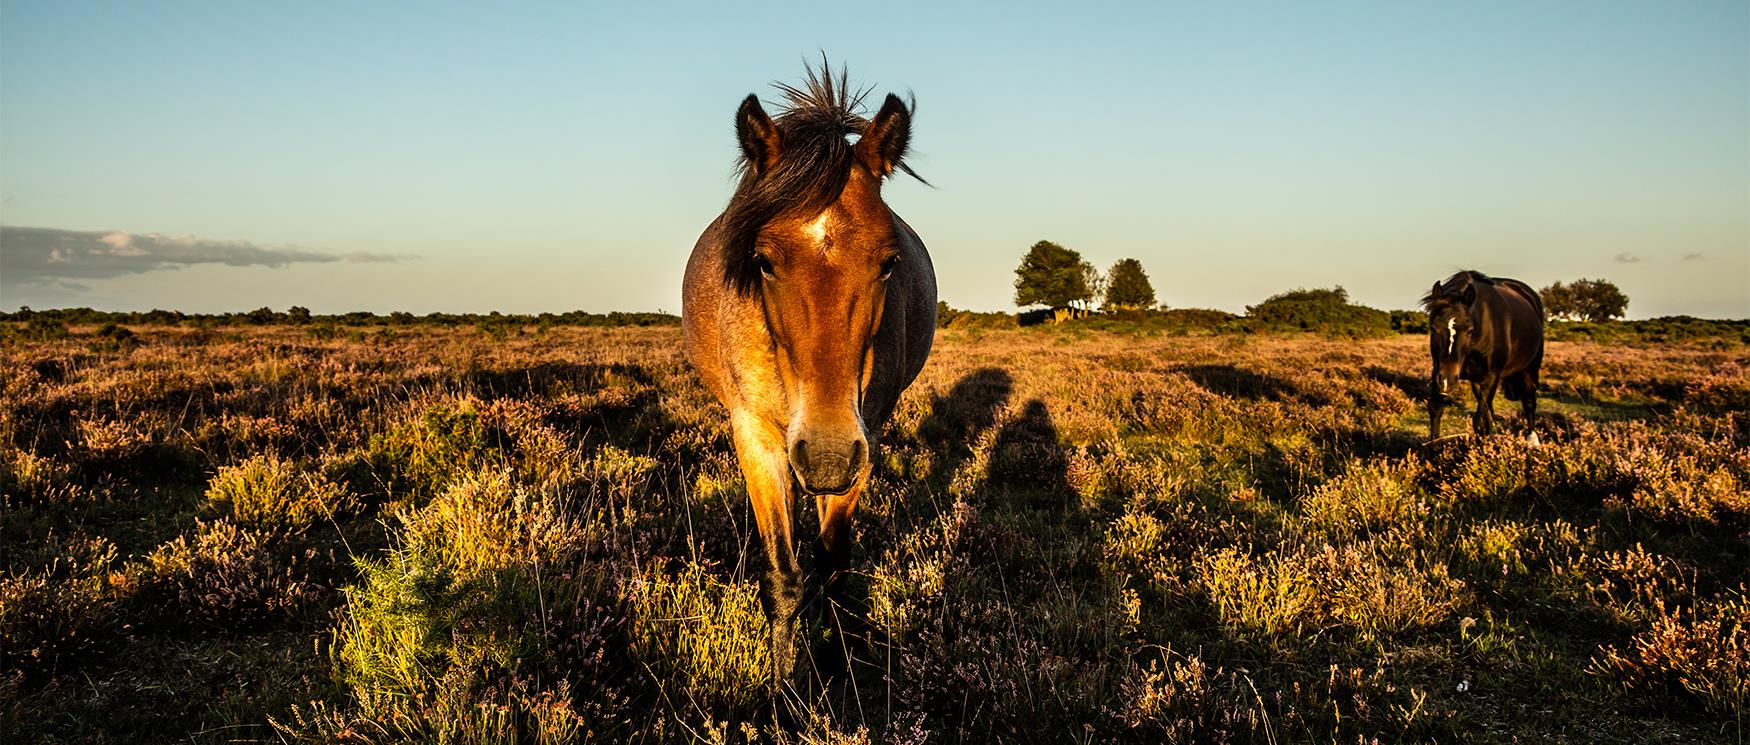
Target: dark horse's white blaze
808, 308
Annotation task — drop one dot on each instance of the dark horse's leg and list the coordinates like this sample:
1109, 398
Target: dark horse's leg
1528, 405
767, 470
1483, 421
1436, 405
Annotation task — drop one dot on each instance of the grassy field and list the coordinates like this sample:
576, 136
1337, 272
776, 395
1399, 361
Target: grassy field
1075, 535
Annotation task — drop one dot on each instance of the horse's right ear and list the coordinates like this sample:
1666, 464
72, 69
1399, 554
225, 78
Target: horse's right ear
1436, 291
757, 134
884, 141
1469, 295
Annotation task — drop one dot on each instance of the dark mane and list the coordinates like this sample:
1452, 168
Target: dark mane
814, 163
1454, 285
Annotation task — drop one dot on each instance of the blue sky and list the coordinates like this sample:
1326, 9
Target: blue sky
377, 156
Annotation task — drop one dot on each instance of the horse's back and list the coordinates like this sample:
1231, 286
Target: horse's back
1520, 325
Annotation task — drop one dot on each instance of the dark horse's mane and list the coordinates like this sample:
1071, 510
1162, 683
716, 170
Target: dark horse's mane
1453, 287
814, 163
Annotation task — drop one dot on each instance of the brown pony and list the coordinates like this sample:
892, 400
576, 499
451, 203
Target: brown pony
808, 307
1489, 331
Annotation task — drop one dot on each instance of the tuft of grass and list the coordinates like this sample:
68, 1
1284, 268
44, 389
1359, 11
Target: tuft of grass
1367, 497
223, 575
1703, 652
273, 493
707, 638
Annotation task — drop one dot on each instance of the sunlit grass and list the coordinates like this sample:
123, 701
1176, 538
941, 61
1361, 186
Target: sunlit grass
1074, 534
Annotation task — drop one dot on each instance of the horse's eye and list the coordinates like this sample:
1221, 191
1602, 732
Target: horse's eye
764, 264
888, 265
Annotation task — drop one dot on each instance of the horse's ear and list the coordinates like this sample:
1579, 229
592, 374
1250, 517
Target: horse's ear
757, 134
884, 141
1436, 291
1469, 295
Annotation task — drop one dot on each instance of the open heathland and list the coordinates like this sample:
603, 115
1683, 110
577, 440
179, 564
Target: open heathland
1079, 533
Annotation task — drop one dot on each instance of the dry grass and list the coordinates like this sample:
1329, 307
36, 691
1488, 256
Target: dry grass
1075, 535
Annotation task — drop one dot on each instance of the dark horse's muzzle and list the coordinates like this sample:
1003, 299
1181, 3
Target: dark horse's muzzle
827, 465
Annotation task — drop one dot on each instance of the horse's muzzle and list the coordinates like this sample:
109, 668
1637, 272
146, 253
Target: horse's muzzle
827, 465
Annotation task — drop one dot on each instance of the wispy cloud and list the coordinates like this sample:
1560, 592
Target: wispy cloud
1628, 258
55, 258
1693, 256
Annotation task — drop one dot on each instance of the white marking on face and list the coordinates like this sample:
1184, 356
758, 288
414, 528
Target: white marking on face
1451, 335
818, 227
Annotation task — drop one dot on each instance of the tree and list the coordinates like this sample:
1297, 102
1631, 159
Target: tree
298, 314
1054, 276
1585, 299
1127, 287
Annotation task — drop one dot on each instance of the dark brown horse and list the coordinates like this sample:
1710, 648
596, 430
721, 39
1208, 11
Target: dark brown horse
808, 307
1489, 331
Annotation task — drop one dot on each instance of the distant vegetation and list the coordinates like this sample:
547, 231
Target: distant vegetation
1325, 311
1584, 300
1319, 311
297, 315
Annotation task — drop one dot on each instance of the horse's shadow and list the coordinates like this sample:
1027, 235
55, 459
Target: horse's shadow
1237, 382
956, 420
1413, 387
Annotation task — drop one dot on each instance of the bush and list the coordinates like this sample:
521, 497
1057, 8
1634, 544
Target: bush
954, 318
113, 338
272, 493
708, 637
1326, 311
475, 624
227, 576
1703, 652
61, 611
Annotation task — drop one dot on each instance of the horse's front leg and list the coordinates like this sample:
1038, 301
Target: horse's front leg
1484, 423
766, 467
1436, 406
832, 552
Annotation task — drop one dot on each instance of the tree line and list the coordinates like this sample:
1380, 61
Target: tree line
298, 316
1058, 278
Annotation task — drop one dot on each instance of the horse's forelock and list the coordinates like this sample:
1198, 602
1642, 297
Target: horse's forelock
814, 164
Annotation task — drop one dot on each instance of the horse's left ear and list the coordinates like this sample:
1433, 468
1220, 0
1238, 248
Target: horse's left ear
757, 134
1469, 295
884, 141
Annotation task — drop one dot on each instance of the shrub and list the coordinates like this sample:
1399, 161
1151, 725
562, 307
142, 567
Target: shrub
1703, 652
61, 611
709, 637
1361, 589
469, 601
226, 575
271, 493
113, 338
1269, 595
1325, 311
423, 456
1368, 496
1188, 701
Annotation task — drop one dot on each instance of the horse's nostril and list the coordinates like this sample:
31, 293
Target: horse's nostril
799, 453
859, 453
